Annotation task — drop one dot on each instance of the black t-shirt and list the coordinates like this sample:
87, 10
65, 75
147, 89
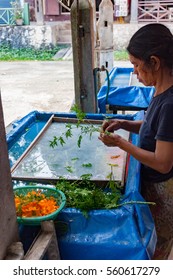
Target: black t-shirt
157, 125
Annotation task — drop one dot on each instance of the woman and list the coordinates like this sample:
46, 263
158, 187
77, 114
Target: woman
151, 53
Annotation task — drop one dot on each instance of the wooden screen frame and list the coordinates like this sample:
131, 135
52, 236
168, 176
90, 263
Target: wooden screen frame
35, 141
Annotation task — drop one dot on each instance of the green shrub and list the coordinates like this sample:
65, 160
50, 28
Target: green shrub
121, 55
13, 54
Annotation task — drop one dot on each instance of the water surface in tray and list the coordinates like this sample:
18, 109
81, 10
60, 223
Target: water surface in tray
70, 161
21, 143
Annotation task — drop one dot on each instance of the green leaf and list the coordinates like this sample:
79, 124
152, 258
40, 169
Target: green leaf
54, 142
113, 164
109, 176
68, 133
79, 114
68, 125
76, 158
69, 169
61, 140
86, 176
79, 141
87, 165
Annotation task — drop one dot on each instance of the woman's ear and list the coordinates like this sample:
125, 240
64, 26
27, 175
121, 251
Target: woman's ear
155, 62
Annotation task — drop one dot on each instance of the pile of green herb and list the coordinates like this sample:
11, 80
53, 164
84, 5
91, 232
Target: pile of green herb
85, 195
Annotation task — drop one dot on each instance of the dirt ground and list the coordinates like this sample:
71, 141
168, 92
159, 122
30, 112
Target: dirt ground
42, 86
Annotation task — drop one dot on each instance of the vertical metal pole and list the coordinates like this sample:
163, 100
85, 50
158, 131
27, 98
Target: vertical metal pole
83, 55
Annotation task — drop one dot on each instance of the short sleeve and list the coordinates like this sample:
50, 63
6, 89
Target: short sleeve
165, 123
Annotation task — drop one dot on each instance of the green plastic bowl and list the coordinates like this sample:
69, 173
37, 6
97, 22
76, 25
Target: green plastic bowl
57, 194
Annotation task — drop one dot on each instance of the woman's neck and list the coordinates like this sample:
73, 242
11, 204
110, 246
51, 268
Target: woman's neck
163, 82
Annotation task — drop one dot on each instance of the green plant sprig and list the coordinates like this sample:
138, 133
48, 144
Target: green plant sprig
84, 130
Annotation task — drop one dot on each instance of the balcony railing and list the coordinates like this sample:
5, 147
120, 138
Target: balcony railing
7, 16
155, 11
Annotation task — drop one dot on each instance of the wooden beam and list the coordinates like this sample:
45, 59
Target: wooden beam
170, 257
45, 241
8, 221
15, 251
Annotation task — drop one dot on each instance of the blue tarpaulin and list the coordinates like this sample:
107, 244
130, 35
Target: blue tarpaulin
119, 93
125, 233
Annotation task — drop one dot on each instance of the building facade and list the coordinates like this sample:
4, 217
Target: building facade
125, 11
50, 23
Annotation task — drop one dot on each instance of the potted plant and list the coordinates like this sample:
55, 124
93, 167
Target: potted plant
17, 12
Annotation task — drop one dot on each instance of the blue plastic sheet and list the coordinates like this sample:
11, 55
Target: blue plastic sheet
126, 233
121, 94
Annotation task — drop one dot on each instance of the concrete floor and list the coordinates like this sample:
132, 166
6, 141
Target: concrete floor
43, 86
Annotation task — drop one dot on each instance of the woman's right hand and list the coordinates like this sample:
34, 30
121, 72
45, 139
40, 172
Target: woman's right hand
111, 125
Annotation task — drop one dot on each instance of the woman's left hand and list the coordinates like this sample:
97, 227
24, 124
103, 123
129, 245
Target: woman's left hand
110, 140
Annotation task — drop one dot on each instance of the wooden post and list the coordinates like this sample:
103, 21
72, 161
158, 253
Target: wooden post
8, 221
83, 55
39, 12
134, 12
45, 241
15, 251
26, 14
93, 4
105, 49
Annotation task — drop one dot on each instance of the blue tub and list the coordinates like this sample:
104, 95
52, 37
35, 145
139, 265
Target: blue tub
119, 95
125, 233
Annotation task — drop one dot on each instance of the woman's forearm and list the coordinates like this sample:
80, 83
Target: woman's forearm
143, 156
154, 160
131, 126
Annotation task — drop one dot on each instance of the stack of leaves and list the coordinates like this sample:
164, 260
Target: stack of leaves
86, 195
34, 204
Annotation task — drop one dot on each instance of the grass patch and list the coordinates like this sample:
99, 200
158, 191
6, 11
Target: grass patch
121, 55
11, 54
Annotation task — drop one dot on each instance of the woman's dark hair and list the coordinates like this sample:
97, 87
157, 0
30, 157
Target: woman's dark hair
152, 39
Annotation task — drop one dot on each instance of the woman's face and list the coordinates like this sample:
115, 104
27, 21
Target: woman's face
144, 73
